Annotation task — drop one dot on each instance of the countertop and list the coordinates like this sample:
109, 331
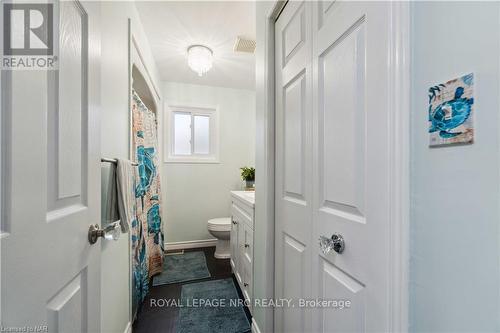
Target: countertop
247, 196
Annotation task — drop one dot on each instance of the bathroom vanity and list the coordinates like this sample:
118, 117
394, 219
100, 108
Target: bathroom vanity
242, 227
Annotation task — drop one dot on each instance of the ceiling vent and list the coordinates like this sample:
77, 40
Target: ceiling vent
244, 45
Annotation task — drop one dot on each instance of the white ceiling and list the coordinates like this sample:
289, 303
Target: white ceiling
172, 26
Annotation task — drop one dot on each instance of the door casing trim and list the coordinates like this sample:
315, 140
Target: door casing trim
399, 159
399, 96
136, 58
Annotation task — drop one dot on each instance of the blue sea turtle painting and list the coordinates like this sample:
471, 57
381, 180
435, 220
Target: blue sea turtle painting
450, 112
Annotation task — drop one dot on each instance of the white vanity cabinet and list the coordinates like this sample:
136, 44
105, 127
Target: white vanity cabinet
242, 226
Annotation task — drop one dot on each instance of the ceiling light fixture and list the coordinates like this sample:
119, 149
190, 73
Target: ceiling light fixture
200, 58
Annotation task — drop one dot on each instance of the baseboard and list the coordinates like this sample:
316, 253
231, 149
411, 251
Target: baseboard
255, 327
128, 329
190, 244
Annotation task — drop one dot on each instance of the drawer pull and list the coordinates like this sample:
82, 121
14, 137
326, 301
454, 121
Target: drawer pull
245, 284
234, 222
247, 245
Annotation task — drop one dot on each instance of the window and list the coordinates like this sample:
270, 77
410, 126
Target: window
192, 135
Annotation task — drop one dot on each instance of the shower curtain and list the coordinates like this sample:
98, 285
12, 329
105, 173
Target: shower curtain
147, 234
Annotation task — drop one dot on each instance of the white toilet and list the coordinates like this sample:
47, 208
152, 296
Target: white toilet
220, 228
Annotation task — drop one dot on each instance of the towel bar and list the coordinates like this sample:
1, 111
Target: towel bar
114, 161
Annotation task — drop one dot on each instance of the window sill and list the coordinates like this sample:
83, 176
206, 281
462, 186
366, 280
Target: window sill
191, 160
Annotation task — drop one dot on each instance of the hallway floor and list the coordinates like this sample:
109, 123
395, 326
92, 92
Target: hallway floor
163, 319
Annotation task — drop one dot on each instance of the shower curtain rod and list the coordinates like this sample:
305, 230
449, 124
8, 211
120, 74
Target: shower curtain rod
114, 161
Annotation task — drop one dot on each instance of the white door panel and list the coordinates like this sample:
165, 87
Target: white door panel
334, 284
294, 284
241, 251
351, 143
332, 165
341, 137
234, 243
293, 163
50, 272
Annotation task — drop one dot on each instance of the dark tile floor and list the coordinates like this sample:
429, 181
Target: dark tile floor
152, 319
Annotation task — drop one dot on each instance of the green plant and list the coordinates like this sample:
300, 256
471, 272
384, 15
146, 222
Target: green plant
248, 173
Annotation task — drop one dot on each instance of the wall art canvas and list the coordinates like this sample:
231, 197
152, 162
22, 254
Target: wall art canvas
451, 112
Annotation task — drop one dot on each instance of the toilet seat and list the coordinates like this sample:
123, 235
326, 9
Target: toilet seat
220, 224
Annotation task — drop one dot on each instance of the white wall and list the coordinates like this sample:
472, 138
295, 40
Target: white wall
454, 269
195, 193
115, 288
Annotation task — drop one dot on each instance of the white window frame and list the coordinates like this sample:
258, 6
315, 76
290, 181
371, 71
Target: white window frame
212, 113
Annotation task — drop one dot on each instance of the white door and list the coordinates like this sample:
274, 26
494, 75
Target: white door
246, 262
350, 166
234, 243
293, 193
50, 273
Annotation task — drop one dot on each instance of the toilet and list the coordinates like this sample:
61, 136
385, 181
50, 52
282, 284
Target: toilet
220, 228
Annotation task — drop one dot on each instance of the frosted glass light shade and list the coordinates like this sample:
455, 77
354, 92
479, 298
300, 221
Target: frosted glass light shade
200, 59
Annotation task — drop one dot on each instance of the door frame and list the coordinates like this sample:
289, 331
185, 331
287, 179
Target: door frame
136, 58
399, 160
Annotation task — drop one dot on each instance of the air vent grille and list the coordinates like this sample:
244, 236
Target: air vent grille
244, 45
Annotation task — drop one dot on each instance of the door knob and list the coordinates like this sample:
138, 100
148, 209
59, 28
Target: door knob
335, 243
112, 231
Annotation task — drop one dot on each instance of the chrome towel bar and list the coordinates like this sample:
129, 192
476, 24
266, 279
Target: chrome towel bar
114, 161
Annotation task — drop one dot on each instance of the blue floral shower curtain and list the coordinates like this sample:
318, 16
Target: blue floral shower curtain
147, 234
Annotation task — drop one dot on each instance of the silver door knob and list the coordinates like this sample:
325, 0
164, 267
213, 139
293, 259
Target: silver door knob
112, 231
335, 243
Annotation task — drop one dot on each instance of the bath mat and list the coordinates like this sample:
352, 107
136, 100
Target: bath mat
220, 316
182, 267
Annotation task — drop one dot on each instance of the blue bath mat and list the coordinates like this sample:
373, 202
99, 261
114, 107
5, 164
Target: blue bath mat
223, 317
182, 267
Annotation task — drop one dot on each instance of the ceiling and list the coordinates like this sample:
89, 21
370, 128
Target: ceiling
172, 26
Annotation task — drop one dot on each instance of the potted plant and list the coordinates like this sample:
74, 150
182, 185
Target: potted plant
248, 175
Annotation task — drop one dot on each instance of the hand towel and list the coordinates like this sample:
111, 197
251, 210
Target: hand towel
125, 179
110, 205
